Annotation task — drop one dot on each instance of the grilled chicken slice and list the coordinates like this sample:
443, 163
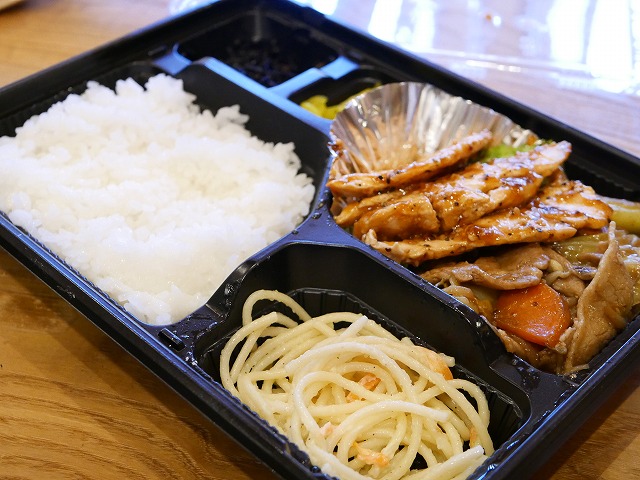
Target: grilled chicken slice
457, 198
562, 208
366, 184
512, 226
412, 215
357, 209
502, 183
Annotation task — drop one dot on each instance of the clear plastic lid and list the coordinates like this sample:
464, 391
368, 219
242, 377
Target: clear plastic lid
580, 44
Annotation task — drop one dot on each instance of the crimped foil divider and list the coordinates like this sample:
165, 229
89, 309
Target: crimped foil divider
390, 126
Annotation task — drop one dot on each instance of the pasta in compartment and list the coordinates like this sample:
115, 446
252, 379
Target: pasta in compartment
359, 401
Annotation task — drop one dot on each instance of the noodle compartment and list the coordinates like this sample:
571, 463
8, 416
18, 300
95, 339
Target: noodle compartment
359, 401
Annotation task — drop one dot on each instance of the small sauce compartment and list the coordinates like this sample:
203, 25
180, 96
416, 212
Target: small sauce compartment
261, 47
327, 279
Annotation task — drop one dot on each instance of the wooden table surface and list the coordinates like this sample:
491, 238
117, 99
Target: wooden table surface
73, 404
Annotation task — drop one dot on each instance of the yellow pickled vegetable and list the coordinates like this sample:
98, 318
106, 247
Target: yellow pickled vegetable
317, 104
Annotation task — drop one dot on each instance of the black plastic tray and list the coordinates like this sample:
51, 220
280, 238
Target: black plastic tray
320, 264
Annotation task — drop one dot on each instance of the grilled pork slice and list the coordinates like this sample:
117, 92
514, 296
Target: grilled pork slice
561, 209
601, 297
546, 359
603, 308
516, 267
366, 184
457, 198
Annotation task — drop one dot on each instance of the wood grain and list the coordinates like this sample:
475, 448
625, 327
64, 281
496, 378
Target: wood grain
75, 405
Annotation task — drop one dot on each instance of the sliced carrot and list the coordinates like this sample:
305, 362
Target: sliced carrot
538, 314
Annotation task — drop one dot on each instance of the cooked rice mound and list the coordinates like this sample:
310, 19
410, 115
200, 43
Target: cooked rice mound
147, 196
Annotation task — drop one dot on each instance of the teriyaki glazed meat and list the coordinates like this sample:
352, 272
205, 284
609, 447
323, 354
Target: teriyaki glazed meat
550, 264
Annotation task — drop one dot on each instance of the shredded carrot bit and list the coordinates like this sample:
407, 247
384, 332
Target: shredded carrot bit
473, 437
436, 363
368, 381
326, 429
371, 457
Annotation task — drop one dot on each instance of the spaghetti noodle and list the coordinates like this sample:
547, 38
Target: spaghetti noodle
360, 402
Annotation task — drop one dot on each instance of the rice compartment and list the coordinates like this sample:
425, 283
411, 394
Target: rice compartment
150, 198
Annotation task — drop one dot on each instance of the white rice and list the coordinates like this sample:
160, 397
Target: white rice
152, 200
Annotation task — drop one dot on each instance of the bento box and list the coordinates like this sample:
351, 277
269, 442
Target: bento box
269, 57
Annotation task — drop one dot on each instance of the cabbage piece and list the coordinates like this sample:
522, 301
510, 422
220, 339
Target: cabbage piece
626, 214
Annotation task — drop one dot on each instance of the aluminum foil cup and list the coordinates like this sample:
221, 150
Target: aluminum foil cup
386, 128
